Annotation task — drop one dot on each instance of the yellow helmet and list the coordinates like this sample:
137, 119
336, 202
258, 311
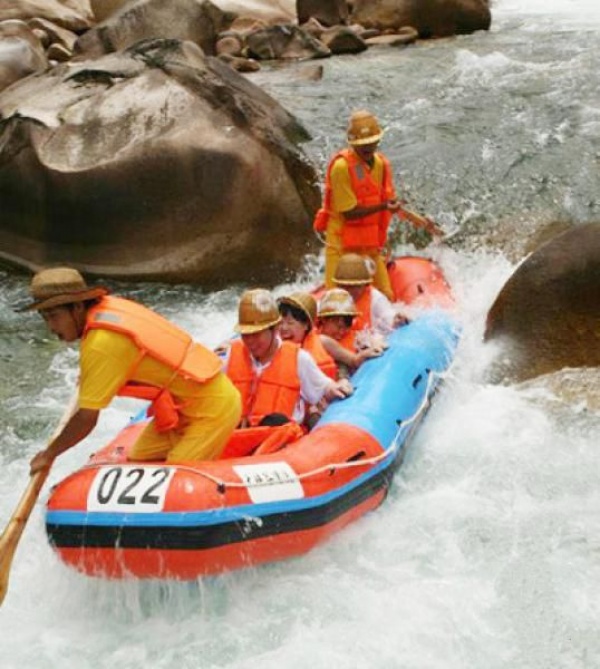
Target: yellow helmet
337, 302
354, 270
303, 301
257, 311
363, 128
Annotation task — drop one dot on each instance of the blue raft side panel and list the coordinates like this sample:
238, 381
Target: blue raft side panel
390, 389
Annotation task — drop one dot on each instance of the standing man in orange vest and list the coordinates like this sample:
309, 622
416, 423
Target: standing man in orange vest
127, 349
274, 376
359, 201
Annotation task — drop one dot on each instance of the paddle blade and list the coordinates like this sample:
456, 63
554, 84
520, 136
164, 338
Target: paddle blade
12, 534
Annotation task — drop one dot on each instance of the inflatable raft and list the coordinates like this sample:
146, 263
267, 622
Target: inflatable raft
116, 519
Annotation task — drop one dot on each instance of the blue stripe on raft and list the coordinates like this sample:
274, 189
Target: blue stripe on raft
391, 388
213, 517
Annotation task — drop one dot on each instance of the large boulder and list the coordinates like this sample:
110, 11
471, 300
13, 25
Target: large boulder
153, 163
269, 11
431, 18
548, 312
21, 52
265, 10
74, 15
326, 12
198, 21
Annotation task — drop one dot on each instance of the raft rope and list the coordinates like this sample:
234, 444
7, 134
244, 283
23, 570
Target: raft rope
432, 377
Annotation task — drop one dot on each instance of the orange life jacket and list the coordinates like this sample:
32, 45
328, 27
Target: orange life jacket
369, 231
312, 344
276, 390
363, 306
347, 341
161, 340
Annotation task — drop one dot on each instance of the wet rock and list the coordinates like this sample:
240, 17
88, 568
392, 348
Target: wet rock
199, 21
21, 52
75, 15
403, 37
102, 9
341, 39
326, 12
56, 34
431, 18
58, 53
548, 312
154, 163
313, 27
240, 64
269, 11
229, 44
284, 42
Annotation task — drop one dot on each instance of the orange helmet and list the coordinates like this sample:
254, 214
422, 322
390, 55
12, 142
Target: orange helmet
363, 128
354, 270
337, 302
257, 311
303, 301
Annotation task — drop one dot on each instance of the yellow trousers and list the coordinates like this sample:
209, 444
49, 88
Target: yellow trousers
206, 424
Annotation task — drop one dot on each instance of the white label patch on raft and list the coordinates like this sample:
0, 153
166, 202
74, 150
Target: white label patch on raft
130, 489
270, 481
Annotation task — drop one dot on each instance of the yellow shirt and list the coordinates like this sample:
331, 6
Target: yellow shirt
343, 197
108, 360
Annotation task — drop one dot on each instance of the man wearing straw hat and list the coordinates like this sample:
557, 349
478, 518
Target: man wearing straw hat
127, 349
274, 377
359, 200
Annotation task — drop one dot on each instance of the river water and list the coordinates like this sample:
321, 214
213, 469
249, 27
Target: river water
486, 554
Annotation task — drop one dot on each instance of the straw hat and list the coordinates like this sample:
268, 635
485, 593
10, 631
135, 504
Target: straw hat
354, 270
303, 301
337, 302
363, 128
257, 311
59, 286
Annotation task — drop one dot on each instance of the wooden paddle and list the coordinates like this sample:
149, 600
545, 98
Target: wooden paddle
421, 222
13, 531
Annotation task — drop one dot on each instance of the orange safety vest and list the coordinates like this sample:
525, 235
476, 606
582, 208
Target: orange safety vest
369, 231
161, 340
276, 390
363, 306
347, 341
312, 344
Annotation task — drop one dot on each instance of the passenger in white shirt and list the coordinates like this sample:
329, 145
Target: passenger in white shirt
260, 362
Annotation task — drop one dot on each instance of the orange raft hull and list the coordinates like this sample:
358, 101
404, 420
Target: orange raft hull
116, 519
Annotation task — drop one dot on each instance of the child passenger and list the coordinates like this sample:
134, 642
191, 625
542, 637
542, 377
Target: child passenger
336, 315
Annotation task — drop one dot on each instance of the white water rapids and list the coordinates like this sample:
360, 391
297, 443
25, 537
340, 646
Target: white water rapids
486, 554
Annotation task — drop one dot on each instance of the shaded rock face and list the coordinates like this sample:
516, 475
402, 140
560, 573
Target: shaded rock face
154, 163
431, 18
198, 21
74, 15
270, 11
327, 12
549, 310
21, 52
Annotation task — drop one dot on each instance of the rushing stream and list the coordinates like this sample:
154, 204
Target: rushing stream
486, 554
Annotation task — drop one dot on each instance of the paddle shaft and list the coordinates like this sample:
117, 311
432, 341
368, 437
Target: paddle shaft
12, 534
419, 221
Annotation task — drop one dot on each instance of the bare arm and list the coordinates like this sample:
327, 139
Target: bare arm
81, 423
361, 212
344, 356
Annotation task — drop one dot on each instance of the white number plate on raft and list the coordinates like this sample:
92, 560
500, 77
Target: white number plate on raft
270, 481
130, 488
